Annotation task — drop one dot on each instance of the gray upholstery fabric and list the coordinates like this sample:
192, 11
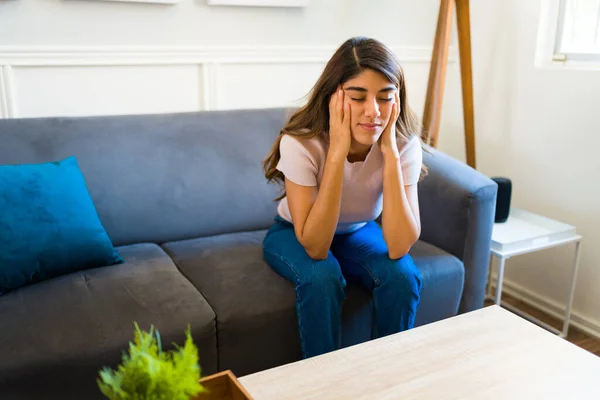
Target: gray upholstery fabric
255, 307
443, 279
457, 215
56, 335
256, 322
156, 178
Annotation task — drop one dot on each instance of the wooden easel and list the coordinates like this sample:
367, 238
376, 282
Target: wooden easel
437, 75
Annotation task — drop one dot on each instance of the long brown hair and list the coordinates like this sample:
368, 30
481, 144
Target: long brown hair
353, 57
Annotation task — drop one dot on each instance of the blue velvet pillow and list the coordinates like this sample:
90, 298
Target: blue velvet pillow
48, 224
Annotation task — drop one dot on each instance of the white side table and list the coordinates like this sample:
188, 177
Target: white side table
525, 232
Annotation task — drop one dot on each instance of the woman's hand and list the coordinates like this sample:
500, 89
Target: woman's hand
316, 210
339, 125
387, 141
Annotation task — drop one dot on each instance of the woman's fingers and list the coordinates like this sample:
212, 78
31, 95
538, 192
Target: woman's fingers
397, 105
341, 106
336, 106
346, 119
333, 104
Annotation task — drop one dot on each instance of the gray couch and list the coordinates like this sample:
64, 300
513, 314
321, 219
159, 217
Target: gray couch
184, 199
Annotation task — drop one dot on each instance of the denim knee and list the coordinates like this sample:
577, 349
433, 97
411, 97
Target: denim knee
404, 274
324, 275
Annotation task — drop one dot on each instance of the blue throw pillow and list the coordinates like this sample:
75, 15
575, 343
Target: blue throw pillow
48, 224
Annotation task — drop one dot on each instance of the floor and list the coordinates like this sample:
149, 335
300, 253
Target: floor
575, 336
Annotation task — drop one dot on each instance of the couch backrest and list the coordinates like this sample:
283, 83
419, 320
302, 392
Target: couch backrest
161, 177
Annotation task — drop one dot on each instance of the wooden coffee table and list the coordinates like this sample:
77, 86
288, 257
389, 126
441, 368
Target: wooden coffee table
486, 354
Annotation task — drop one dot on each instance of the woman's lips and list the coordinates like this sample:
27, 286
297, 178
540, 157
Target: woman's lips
369, 127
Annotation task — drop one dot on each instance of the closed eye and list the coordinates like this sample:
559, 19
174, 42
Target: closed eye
362, 99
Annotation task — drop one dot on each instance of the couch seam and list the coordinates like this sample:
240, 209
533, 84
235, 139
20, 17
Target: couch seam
216, 324
471, 200
464, 253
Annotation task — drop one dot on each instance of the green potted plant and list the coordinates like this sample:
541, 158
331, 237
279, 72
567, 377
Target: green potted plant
149, 373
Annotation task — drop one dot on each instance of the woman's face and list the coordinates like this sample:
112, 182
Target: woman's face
371, 96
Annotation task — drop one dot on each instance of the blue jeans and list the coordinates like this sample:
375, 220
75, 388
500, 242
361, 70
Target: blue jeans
360, 256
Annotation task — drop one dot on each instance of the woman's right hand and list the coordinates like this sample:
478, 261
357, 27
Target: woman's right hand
339, 125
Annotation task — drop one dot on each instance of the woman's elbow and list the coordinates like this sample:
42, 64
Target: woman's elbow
314, 252
399, 250
396, 254
317, 255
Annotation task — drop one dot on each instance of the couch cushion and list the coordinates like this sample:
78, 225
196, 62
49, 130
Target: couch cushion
48, 224
59, 333
255, 307
443, 280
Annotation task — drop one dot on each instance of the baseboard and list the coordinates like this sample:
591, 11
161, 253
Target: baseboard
550, 307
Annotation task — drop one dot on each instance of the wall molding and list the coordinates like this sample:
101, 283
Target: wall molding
209, 79
208, 60
7, 101
3, 95
549, 306
26, 56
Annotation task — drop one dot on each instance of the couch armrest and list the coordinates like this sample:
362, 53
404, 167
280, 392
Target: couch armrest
457, 205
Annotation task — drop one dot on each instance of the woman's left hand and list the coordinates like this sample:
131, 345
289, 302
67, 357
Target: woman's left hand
387, 141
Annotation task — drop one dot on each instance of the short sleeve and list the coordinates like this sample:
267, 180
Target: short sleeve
296, 162
411, 157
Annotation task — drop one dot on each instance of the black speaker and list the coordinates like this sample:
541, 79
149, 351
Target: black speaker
503, 198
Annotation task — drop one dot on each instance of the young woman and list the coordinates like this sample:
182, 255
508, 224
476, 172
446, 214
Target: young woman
351, 153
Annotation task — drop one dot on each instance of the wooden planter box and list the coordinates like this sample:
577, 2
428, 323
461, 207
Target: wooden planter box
223, 386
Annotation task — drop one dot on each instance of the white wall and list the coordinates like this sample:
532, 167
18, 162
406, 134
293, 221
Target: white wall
78, 57
192, 22
541, 128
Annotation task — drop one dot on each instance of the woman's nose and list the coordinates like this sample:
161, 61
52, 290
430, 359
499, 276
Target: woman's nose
372, 109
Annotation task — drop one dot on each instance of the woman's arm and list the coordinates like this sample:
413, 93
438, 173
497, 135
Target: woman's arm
400, 220
315, 213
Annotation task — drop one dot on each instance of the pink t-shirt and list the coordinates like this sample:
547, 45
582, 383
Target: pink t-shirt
303, 160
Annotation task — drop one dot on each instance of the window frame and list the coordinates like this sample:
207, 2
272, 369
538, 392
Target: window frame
559, 55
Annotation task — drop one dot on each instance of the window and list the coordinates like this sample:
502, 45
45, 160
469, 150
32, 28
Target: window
578, 33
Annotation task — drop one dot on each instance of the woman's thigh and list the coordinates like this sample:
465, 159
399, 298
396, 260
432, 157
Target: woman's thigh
286, 255
363, 257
